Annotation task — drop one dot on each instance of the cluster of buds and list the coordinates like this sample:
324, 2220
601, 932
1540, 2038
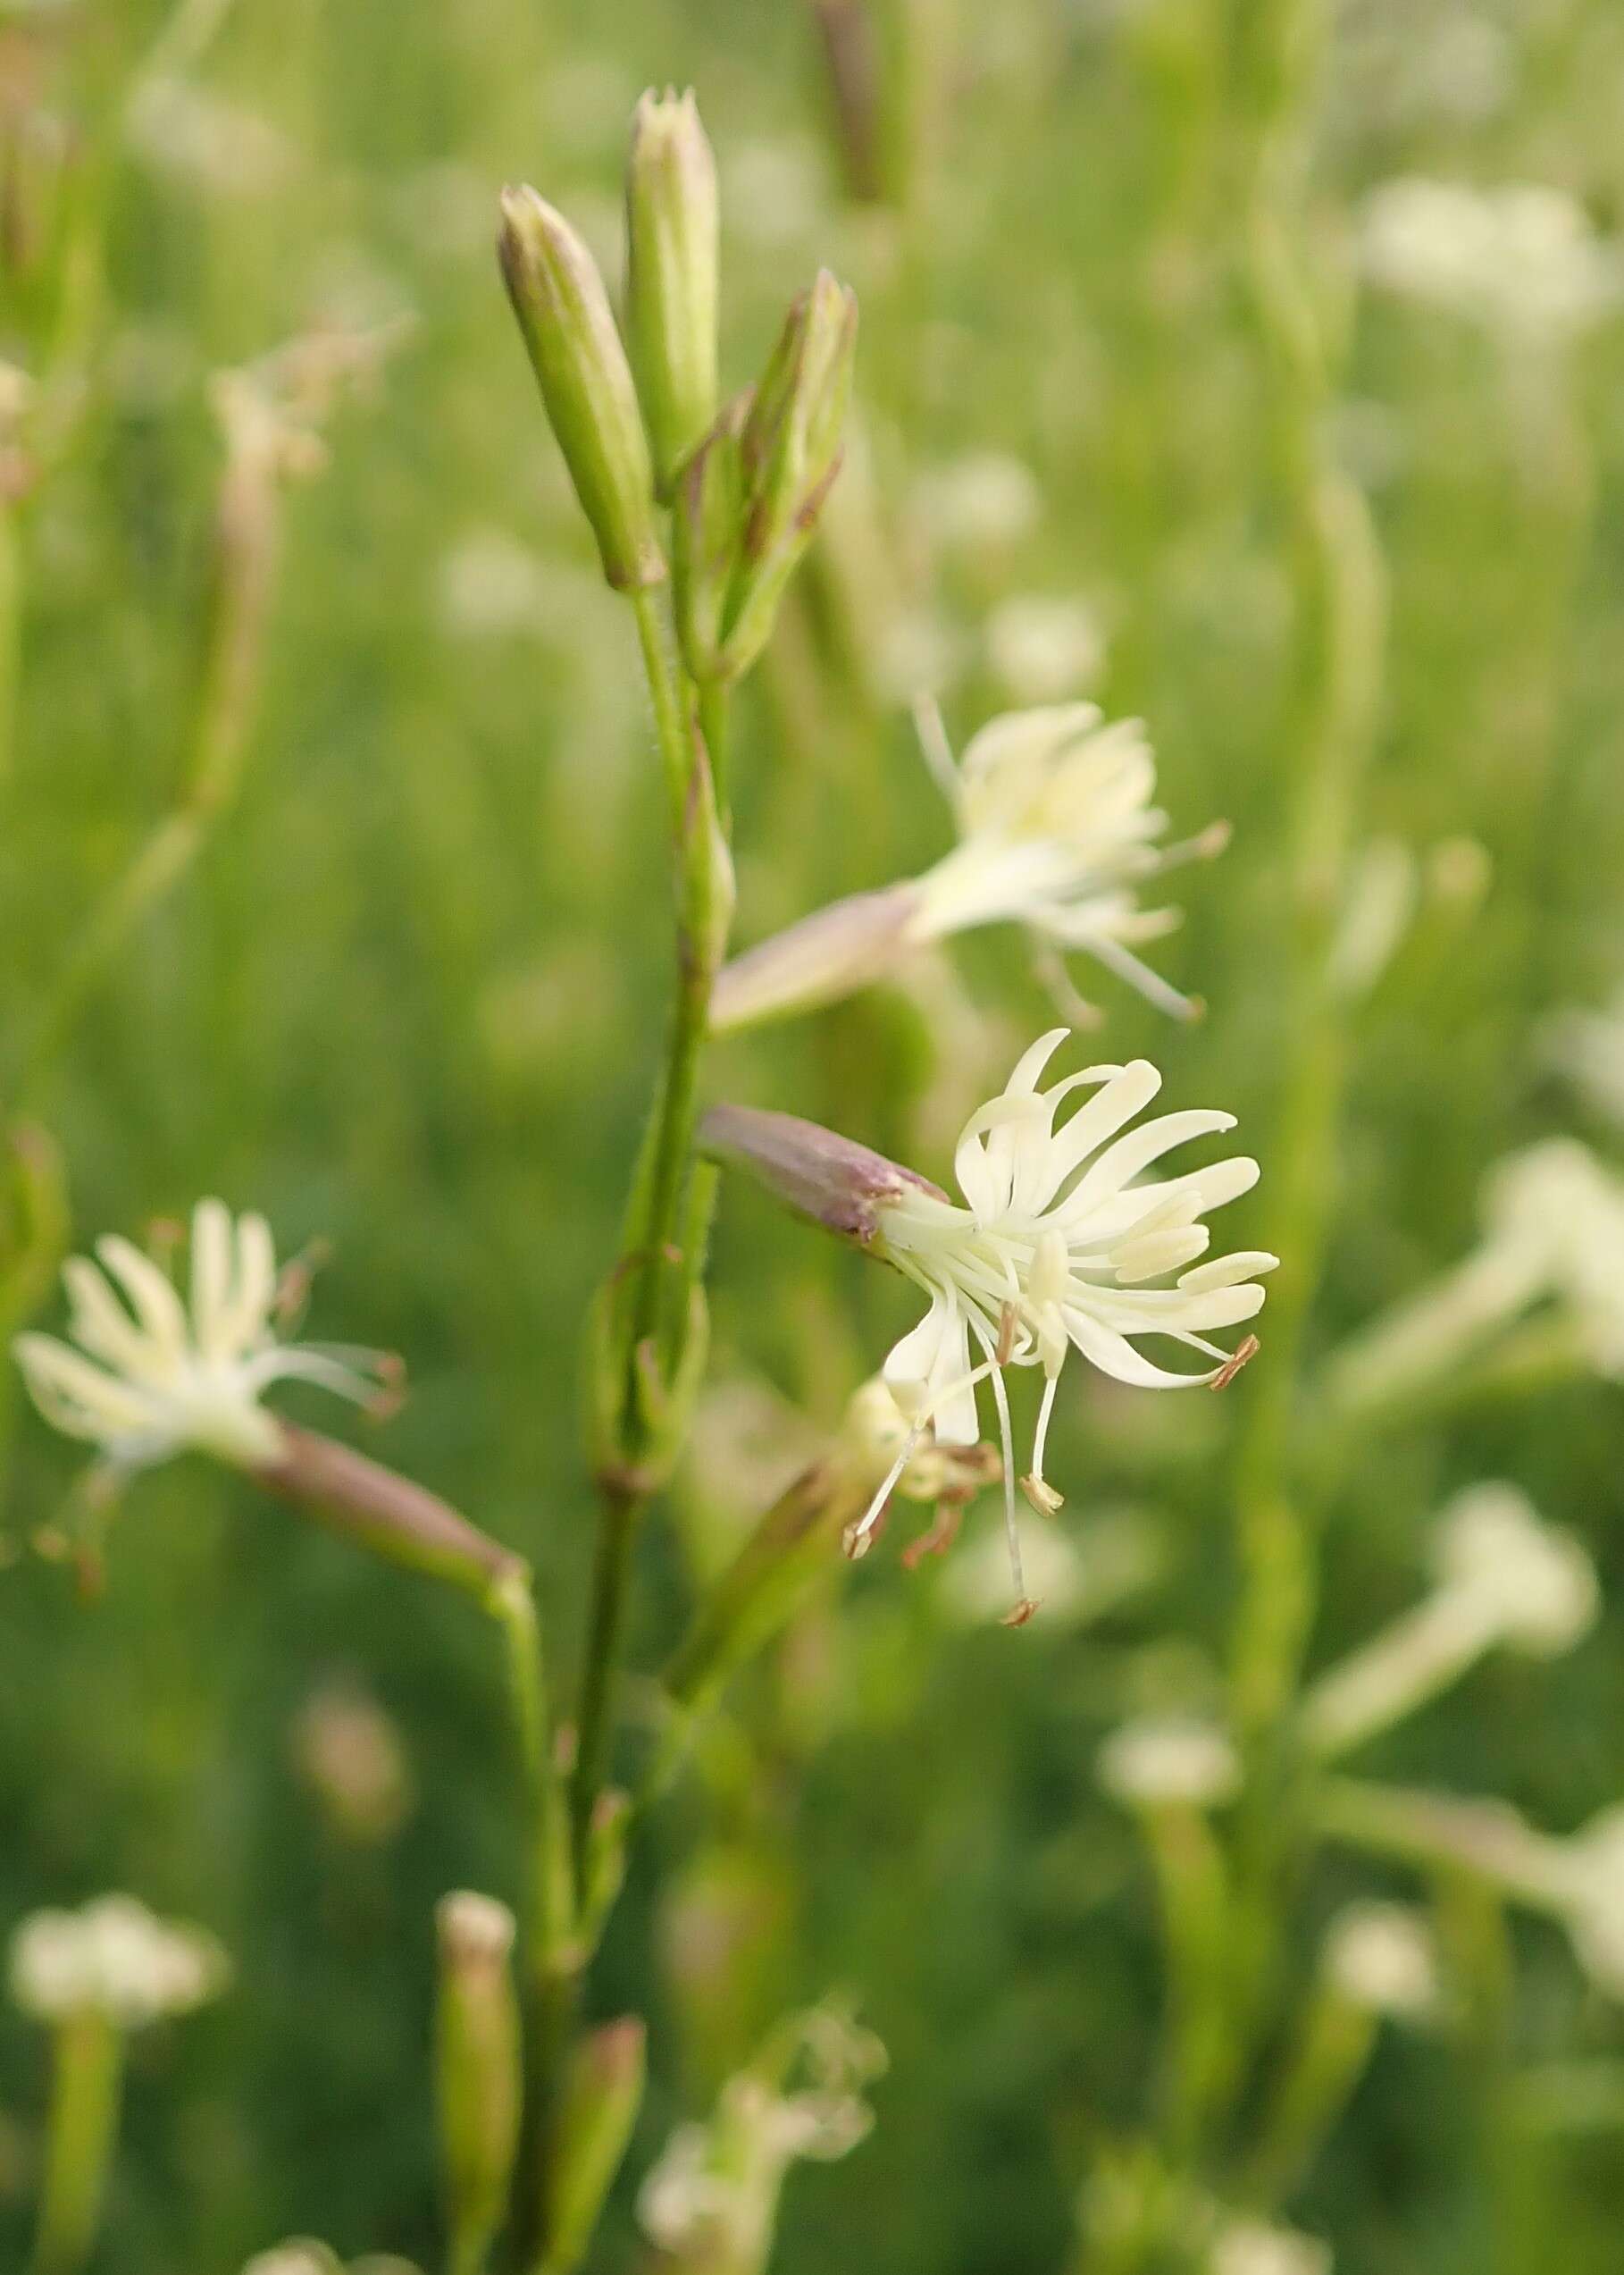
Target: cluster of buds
745, 480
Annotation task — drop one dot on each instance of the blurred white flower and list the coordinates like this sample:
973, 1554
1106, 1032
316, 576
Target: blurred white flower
1585, 1883
773, 191
987, 500
1169, 1762
1045, 646
113, 1958
300, 2256
711, 2199
1504, 1578
349, 1751
1255, 2248
1381, 1957
1553, 1218
1521, 259
1588, 1047
179, 128
153, 1376
1057, 831
492, 585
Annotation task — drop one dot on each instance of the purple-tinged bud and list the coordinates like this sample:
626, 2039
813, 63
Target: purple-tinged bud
563, 312
838, 1184
707, 530
827, 956
385, 1512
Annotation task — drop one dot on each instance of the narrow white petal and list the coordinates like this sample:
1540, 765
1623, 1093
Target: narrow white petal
76, 1397
156, 1305
1124, 1161
210, 1274
255, 1289
1115, 1355
100, 1324
1127, 1094
1223, 1270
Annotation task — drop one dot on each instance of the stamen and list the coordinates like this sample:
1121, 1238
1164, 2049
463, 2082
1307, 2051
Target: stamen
939, 1539
935, 748
1150, 984
1232, 1367
1041, 1494
858, 1538
1019, 1613
1008, 1325
1011, 1529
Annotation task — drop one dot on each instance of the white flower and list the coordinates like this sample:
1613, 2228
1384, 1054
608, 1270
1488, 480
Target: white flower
1521, 259
1056, 830
1554, 1219
300, 2256
1588, 1047
1169, 1762
1058, 1247
153, 1376
1256, 2247
1044, 646
712, 2197
1586, 1889
1506, 1579
1380, 1957
113, 1958
987, 499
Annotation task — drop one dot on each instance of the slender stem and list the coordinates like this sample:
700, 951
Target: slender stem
659, 1276
84, 2119
1341, 622
618, 1517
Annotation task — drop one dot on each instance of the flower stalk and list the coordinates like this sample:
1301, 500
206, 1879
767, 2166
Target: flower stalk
88, 2057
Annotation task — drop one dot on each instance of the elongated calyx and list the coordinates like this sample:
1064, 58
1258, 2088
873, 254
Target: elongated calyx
563, 312
673, 262
842, 1186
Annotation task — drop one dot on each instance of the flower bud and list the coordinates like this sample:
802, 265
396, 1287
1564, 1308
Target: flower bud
838, 1184
480, 2069
790, 447
706, 526
603, 2091
563, 312
672, 265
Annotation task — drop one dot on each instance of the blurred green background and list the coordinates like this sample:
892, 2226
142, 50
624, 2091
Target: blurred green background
409, 998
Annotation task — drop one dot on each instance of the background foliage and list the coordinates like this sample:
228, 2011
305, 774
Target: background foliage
409, 999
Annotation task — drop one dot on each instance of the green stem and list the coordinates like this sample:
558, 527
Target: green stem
658, 1270
84, 2119
1340, 631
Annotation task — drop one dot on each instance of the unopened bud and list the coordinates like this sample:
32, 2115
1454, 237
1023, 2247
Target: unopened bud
840, 1185
673, 260
603, 2091
707, 529
480, 2067
385, 1512
791, 452
563, 312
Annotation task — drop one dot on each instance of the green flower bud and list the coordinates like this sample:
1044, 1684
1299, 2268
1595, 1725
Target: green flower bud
480, 2067
563, 312
791, 448
671, 267
603, 2091
706, 528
